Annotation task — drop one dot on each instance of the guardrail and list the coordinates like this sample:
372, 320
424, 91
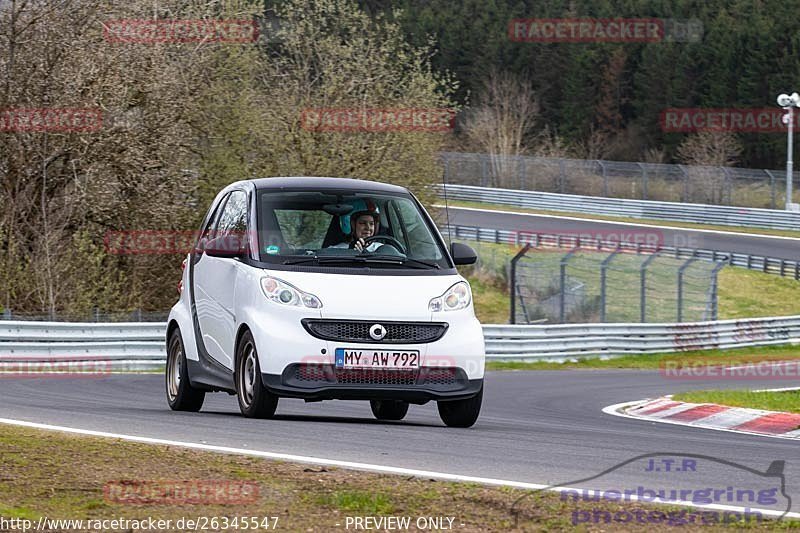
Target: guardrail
563, 341
769, 265
141, 346
644, 209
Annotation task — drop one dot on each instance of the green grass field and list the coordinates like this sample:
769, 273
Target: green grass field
785, 401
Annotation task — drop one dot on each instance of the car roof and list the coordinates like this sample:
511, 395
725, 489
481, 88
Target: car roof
316, 183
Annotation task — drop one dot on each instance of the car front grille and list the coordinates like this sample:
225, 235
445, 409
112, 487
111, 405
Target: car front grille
377, 377
358, 331
324, 373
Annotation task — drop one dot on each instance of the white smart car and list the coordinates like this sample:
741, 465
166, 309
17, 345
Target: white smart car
321, 289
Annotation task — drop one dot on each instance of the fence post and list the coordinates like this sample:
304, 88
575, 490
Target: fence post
685, 184
605, 177
521, 172
681, 270
513, 282
714, 287
771, 188
643, 286
7, 314
727, 188
603, 278
644, 181
563, 275
484, 172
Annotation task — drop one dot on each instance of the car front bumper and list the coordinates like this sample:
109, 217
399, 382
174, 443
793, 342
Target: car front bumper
326, 382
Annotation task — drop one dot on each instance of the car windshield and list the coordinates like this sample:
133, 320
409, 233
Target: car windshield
346, 229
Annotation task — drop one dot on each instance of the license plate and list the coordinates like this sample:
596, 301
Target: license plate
356, 358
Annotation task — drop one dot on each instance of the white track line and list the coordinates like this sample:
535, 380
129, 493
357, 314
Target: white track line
618, 410
365, 466
636, 224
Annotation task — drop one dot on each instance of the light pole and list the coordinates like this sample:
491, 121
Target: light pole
788, 103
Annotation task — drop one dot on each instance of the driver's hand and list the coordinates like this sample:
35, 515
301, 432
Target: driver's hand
359, 245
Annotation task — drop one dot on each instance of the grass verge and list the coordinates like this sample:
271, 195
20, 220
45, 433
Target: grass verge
62, 476
654, 361
786, 401
626, 220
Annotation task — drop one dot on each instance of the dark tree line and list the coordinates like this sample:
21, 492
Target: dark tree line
748, 54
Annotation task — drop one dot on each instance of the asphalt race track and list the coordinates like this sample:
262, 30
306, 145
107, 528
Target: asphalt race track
683, 238
542, 427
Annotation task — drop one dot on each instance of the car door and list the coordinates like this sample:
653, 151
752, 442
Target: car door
215, 282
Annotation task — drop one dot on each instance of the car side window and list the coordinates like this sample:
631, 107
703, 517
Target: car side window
233, 219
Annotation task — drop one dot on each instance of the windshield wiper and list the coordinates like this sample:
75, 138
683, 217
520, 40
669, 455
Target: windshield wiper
365, 258
324, 259
402, 261
300, 261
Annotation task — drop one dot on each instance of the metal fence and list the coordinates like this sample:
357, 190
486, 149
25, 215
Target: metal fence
769, 265
731, 186
700, 214
141, 346
607, 283
571, 341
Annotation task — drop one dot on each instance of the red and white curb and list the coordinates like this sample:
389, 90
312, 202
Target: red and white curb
712, 416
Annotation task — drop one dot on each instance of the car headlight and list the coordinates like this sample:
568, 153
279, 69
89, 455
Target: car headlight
281, 292
455, 298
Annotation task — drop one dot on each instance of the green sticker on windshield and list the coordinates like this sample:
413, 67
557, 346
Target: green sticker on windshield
272, 249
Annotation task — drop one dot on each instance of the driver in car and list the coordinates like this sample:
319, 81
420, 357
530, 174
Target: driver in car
363, 225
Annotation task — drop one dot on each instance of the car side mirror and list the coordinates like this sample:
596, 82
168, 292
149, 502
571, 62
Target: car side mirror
462, 254
226, 246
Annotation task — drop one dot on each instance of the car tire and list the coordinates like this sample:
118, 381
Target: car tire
461, 413
389, 409
255, 401
181, 396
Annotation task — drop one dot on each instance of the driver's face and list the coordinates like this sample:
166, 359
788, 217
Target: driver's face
365, 227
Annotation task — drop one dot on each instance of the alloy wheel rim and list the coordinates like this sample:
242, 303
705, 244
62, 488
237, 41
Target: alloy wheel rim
175, 372
247, 377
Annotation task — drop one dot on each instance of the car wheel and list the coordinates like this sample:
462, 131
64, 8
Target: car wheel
461, 413
255, 401
181, 396
389, 409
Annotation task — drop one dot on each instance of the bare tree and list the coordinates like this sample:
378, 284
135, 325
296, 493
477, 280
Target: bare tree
502, 120
707, 154
179, 121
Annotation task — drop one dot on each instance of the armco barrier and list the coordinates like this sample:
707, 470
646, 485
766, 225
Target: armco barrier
645, 209
141, 346
770, 265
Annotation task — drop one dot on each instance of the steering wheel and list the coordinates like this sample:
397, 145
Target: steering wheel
389, 240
